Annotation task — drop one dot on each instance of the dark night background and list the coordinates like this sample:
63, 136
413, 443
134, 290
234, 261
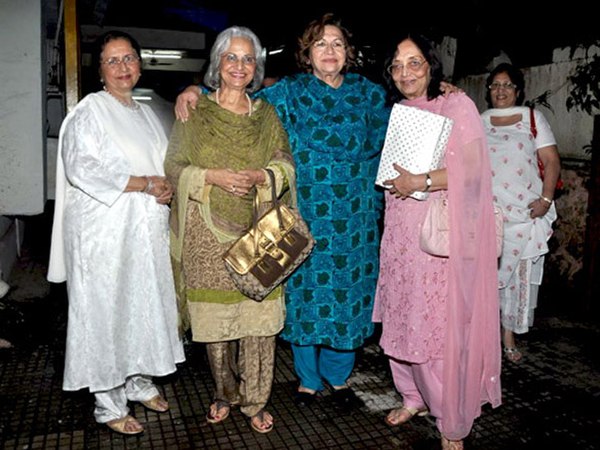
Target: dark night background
527, 31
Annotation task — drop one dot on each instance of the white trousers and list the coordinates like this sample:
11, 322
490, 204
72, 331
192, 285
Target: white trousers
112, 404
518, 300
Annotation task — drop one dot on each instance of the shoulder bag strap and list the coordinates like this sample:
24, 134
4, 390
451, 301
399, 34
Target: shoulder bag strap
275, 205
532, 122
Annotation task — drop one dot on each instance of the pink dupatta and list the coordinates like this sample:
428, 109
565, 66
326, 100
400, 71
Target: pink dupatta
472, 353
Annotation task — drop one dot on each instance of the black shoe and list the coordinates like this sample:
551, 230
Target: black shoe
346, 398
304, 399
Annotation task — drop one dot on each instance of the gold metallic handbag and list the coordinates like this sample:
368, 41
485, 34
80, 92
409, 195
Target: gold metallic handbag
276, 244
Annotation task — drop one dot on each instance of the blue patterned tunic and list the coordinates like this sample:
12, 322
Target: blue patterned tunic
336, 136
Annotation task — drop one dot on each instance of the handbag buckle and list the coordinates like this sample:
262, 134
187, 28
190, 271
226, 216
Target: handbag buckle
281, 257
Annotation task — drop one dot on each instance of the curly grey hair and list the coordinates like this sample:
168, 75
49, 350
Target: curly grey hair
212, 77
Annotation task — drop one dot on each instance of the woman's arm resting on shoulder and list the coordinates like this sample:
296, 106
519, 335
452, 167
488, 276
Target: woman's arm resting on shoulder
187, 99
448, 89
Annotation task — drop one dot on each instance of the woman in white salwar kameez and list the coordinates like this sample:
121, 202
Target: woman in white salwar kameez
526, 200
110, 243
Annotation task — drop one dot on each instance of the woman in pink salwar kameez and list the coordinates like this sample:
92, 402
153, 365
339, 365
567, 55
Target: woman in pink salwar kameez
440, 325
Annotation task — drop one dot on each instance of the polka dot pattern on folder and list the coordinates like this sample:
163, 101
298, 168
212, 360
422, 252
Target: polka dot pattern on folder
416, 140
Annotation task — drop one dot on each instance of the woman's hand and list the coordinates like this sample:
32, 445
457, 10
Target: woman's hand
448, 89
160, 188
167, 193
236, 183
187, 99
255, 176
538, 208
404, 184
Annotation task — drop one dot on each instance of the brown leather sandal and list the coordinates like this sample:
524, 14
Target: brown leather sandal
218, 406
263, 426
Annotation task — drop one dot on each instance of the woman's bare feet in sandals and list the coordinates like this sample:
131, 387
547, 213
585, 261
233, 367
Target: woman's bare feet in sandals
218, 412
262, 422
157, 404
402, 415
447, 444
125, 425
513, 354
511, 351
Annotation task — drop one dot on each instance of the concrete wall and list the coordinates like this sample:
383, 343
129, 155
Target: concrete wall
22, 106
22, 123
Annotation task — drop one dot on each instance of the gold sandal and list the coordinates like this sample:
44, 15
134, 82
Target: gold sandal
121, 425
156, 404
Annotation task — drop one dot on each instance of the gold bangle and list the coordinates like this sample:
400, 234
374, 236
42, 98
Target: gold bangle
546, 199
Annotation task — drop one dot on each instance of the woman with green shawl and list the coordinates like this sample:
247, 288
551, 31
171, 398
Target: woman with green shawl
217, 160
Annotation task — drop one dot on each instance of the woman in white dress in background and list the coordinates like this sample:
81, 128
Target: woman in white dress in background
526, 200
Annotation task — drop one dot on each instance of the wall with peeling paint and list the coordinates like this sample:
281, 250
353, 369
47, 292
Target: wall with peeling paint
22, 109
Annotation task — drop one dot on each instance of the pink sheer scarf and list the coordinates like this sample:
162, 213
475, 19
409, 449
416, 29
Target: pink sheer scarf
472, 353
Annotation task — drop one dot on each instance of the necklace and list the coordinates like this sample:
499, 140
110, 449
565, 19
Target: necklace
133, 106
247, 98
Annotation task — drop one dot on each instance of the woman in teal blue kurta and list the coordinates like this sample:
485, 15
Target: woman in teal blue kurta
336, 124
336, 136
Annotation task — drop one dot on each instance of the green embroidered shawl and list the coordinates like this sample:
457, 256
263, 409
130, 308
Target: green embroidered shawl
214, 137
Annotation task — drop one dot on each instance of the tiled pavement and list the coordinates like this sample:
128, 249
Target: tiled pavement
550, 400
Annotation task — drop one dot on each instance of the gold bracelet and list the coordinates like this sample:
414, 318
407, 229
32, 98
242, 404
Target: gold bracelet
546, 199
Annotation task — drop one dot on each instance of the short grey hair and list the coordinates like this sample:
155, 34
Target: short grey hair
212, 78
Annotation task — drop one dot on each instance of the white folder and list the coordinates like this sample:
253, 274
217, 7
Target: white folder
415, 140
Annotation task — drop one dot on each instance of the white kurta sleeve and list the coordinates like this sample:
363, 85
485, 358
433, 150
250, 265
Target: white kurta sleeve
545, 137
90, 165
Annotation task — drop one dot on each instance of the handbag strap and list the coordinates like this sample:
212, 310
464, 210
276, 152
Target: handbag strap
274, 199
532, 122
275, 203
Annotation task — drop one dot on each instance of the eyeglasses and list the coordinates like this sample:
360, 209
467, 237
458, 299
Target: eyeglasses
413, 66
247, 60
336, 45
115, 61
495, 86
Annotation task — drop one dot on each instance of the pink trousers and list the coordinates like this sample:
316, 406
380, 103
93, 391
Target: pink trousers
420, 385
